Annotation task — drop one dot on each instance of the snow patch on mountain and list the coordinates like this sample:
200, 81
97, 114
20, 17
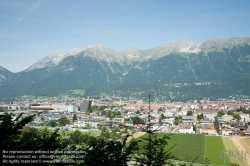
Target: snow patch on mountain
192, 48
100, 52
2, 78
52, 60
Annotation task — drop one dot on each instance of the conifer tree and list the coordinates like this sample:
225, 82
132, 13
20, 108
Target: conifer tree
153, 150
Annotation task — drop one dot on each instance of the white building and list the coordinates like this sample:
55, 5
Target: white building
169, 121
185, 128
226, 131
118, 120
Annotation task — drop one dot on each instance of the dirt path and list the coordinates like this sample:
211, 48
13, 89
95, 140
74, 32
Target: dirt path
243, 147
136, 135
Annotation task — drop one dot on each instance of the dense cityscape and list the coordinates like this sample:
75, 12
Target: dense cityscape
181, 117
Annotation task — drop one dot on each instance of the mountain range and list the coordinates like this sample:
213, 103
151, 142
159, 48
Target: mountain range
183, 70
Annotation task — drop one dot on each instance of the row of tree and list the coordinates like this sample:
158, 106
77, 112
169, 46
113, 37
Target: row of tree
235, 115
243, 109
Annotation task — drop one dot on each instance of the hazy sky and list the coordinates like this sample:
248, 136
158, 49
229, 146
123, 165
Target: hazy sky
33, 29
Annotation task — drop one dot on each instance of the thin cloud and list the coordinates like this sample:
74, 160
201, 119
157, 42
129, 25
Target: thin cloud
29, 11
3, 33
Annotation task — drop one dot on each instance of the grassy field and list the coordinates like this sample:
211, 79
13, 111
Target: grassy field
92, 133
247, 141
229, 145
186, 147
71, 132
213, 147
200, 149
43, 127
78, 92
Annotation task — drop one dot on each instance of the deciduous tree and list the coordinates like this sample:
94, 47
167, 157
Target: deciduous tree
237, 116
63, 121
137, 120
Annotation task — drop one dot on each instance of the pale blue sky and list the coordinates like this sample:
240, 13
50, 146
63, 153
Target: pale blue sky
33, 29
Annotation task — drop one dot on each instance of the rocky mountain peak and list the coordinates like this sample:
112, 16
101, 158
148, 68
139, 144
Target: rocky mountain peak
101, 52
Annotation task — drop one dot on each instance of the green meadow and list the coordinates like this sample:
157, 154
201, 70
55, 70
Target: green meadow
71, 132
185, 147
196, 148
213, 148
66, 133
248, 141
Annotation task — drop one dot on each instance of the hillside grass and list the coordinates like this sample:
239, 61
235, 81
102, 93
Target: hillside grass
213, 148
78, 92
